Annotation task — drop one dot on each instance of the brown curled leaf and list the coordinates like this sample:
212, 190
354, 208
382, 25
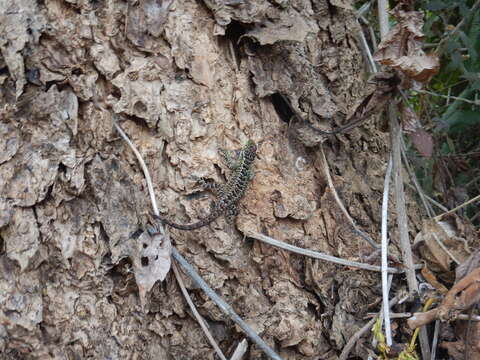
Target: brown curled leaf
432, 280
402, 48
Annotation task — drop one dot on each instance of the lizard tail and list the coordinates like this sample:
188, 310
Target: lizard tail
181, 226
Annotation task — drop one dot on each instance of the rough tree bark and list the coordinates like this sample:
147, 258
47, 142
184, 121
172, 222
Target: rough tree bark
186, 78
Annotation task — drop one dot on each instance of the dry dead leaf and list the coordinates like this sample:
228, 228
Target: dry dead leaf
432, 280
423, 142
435, 238
151, 262
402, 48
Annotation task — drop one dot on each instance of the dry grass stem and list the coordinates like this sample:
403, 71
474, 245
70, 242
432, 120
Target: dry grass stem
435, 340
385, 287
148, 178
473, 102
319, 255
339, 202
366, 50
476, 198
402, 220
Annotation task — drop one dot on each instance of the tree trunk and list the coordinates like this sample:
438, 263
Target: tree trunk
186, 78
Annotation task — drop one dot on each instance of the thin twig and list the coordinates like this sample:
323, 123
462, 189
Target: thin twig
326, 170
224, 307
373, 38
353, 340
402, 220
197, 315
476, 102
424, 318
144, 169
476, 198
366, 49
386, 309
319, 255
432, 201
393, 315
363, 9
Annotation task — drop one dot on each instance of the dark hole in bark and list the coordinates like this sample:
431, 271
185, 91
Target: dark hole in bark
282, 107
49, 84
144, 260
77, 71
234, 31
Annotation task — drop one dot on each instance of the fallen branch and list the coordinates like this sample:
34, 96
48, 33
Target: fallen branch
460, 297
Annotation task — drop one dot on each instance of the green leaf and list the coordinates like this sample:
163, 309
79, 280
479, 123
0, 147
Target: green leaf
463, 9
471, 77
455, 63
469, 44
461, 120
475, 85
436, 5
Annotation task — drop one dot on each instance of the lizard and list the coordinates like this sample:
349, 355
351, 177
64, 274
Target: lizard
229, 194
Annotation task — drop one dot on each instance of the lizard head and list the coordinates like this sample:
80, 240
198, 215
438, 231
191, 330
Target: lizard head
250, 150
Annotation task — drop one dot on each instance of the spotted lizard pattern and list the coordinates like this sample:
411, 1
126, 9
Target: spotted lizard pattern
229, 194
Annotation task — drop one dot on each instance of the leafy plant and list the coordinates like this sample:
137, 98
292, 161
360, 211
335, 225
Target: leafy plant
452, 29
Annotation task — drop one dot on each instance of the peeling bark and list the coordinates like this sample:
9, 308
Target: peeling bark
187, 78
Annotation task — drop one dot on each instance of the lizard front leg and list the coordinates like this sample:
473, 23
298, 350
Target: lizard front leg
212, 186
231, 162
